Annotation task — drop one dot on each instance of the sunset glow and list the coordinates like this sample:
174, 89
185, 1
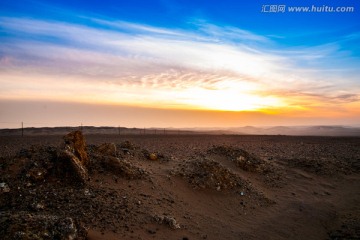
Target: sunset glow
193, 64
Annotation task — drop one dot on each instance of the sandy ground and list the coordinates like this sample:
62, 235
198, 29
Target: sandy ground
191, 186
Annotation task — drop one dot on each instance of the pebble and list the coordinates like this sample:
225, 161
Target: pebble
4, 187
87, 192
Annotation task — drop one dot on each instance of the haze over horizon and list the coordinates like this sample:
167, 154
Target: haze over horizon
178, 64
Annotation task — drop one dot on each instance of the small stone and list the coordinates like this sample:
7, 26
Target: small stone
39, 206
87, 192
4, 188
37, 174
170, 221
153, 156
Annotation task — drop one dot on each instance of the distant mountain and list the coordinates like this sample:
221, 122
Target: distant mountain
300, 130
247, 130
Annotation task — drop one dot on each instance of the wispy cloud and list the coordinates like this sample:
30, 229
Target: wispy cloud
228, 33
129, 63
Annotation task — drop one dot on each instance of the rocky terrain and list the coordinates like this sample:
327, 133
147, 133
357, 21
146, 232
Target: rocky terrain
97, 186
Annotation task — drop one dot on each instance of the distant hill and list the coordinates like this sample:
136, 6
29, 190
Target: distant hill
247, 130
300, 131
91, 130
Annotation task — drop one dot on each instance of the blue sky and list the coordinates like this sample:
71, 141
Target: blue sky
170, 13
198, 55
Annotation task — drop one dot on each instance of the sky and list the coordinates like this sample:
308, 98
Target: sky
179, 63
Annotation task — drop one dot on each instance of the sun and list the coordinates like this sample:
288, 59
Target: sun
228, 100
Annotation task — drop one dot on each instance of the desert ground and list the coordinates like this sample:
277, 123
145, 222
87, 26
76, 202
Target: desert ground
174, 186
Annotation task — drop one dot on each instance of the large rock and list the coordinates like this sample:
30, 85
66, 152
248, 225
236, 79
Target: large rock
75, 144
73, 157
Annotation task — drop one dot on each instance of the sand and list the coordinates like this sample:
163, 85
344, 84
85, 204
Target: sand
189, 186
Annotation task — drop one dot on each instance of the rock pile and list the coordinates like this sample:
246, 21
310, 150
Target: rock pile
38, 163
33, 170
122, 168
39, 200
68, 162
243, 159
270, 174
127, 145
209, 174
40, 226
167, 220
155, 156
107, 158
107, 149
